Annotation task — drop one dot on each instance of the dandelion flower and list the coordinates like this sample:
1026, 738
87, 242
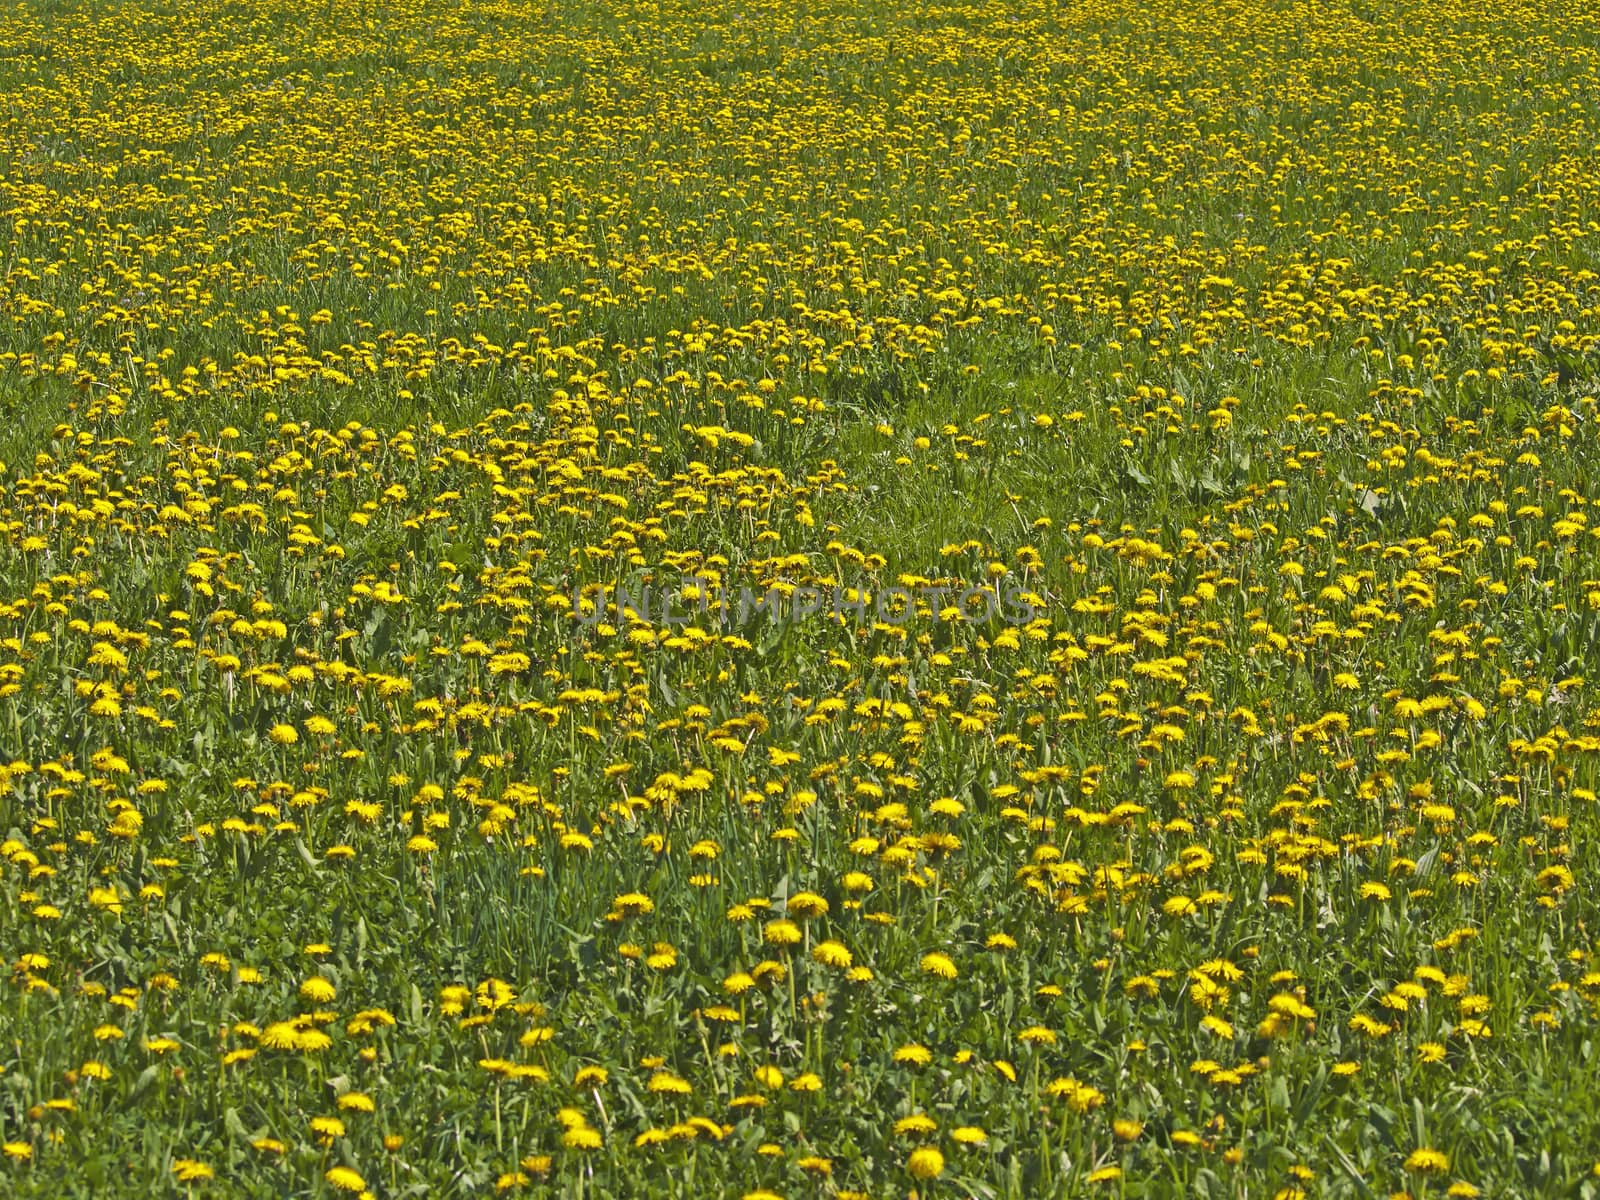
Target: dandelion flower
926, 1163
189, 1170
1425, 1161
343, 1179
782, 932
832, 954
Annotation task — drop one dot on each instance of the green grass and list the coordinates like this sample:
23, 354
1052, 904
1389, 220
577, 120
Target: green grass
343, 347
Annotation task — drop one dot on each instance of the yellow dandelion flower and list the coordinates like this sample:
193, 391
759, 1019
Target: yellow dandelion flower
343, 1179
190, 1170
1425, 1161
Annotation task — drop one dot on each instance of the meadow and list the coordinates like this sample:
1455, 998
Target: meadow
355, 841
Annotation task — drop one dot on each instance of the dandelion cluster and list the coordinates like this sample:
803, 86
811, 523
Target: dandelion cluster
356, 838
